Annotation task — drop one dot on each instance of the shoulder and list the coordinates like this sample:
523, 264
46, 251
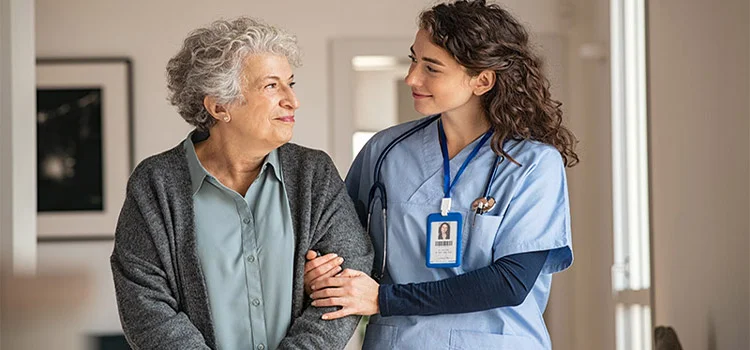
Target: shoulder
533, 155
293, 150
541, 165
304, 158
381, 139
166, 167
308, 171
305, 164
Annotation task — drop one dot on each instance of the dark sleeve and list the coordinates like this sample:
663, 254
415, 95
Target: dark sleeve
506, 282
149, 311
337, 231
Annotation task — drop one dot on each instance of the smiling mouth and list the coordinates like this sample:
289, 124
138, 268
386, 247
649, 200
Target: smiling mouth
417, 96
287, 119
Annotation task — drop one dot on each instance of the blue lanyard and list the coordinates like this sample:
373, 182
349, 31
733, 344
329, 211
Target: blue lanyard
447, 185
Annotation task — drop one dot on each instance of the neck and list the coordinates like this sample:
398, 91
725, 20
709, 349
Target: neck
461, 129
234, 163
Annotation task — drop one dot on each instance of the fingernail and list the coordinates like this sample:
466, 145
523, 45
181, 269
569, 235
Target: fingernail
325, 317
341, 260
315, 303
335, 255
338, 268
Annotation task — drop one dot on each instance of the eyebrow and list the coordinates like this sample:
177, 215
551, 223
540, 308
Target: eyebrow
428, 59
276, 77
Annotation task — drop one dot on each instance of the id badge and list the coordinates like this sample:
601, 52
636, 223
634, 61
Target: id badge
444, 240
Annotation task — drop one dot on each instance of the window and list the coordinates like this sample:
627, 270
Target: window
631, 271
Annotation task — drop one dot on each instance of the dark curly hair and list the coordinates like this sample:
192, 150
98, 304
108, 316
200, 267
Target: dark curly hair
480, 37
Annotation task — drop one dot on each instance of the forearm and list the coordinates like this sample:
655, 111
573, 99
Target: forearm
310, 331
337, 230
174, 333
148, 313
506, 282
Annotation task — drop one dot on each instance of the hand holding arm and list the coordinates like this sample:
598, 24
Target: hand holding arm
507, 282
354, 290
318, 268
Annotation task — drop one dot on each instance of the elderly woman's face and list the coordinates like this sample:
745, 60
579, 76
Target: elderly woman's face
268, 112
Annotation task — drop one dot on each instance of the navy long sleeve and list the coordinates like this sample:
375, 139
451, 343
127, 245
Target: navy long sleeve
506, 282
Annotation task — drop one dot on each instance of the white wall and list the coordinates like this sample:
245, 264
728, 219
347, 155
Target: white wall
17, 131
17, 136
699, 54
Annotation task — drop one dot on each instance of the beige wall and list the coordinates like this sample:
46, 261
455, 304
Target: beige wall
375, 99
150, 32
699, 159
581, 308
405, 103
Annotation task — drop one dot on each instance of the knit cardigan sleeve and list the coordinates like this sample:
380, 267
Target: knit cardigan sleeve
327, 222
147, 297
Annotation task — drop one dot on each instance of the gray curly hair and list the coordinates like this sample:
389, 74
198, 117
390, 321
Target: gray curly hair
210, 63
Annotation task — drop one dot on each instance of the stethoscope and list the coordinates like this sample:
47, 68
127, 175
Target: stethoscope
479, 206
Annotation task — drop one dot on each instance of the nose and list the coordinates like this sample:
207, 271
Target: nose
412, 78
290, 101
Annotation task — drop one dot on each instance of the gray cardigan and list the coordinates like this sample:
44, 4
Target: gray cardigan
161, 292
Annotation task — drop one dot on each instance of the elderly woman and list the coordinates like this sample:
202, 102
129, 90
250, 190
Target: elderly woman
209, 247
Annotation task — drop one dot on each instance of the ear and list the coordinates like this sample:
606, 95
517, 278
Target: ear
484, 82
219, 112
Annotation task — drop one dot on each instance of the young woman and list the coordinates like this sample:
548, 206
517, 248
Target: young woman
445, 231
490, 159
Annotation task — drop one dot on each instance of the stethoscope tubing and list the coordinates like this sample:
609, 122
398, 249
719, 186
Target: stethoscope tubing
378, 188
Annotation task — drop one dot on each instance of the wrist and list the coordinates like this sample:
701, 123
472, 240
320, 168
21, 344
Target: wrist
382, 301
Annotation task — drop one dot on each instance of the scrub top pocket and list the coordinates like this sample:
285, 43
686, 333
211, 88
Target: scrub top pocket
380, 336
471, 340
478, 243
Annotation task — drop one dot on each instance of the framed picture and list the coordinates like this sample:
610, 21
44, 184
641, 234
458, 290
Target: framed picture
84, 145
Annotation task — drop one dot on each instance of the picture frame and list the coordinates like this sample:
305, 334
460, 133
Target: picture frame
84, 145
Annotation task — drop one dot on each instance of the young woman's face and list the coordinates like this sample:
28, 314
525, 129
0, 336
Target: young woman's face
438, 82
443, 228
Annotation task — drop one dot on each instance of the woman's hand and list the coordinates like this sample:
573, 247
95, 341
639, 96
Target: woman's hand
318, 268
353, 290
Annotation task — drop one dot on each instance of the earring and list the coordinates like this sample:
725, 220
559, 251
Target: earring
227, 118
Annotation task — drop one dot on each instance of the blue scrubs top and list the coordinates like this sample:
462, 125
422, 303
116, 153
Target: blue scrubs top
531, 214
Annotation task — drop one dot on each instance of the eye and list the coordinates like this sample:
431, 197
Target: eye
270, 86
412, 58
291, 85
431, 70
